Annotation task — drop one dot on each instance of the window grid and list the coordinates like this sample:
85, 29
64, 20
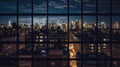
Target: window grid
68, 15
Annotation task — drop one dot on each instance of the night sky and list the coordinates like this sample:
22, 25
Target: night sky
57, 6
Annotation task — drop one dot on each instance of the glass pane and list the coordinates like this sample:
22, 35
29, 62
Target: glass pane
8, 51
103, 63
25, 50
89, 28
116, 28
75, 6
75, 63
40, 25
40, 6
89, 6
25, 29
75, 50
104, 51
8, 63
116, 63
40, 50
58, 29
89, 63
8, 28
89, 50
103, 28
25, 6
8, 6
42, 63
25, 63
57, 6
115, 6
75, 24
103, 6
58, 63
40, 36
58, 50
116, 50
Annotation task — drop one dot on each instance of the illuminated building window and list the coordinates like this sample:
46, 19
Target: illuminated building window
92, 47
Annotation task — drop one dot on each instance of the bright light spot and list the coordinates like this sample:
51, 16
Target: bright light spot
41, 40
43, 51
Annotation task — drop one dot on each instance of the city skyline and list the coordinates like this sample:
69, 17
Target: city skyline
57, 19
59, 33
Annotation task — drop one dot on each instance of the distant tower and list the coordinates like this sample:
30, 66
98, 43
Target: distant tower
64, 26
116, 25
9, 24
103, 25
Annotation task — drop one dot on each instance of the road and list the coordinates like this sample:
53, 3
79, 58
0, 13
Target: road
73, 49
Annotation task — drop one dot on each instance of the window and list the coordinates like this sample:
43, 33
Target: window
59, 33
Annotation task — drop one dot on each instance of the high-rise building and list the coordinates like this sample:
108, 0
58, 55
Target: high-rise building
116, 25
103, 25
9, 24
64, 26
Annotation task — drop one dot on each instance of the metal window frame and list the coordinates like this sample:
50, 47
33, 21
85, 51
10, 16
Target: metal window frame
67, 15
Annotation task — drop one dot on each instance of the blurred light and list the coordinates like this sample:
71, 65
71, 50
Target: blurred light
99, 50
99, 47
36, 36
76, 20
43, 51
104, 39
41, 40
104, 45
41, 36
92, 47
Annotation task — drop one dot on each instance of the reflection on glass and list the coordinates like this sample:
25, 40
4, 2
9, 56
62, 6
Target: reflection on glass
103, 28
8, 28
25, 29
57, 6
8, 6
25, 6
40, 6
